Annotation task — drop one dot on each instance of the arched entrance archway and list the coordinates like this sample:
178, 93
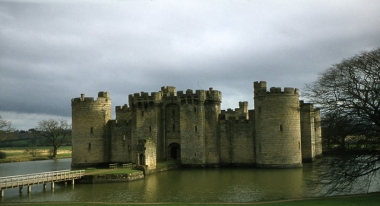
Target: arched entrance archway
174, 151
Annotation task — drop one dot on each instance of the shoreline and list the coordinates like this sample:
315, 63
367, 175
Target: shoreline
112, 177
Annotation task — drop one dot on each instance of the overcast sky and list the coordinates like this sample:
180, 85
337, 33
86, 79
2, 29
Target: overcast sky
51, 52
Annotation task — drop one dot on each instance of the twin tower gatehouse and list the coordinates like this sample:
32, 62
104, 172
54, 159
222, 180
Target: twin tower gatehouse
281, 130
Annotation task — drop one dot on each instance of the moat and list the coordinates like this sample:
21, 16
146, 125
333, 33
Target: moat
185, 185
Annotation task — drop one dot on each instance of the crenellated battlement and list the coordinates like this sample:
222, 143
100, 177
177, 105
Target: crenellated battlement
124, 108
169, 93
144, 97
103, 97
201, 95
240, 113
286, 90
214, 95
260, 89
118, 123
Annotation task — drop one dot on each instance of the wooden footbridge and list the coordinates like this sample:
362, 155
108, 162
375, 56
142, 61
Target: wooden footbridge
38, 178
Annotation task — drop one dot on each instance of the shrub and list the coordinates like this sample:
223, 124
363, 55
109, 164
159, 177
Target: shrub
33, 152
3, 155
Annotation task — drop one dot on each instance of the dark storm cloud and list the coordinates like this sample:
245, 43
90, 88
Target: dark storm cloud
52, 52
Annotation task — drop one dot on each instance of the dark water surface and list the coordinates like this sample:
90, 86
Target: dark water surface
186, 185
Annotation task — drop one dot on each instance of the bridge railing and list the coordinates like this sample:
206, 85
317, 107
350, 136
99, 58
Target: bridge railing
38, 178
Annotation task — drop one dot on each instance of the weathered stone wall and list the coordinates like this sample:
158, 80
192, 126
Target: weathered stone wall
120, 142
147, 153
89, 118
277, 120
318, 132
236, 142
192, 129
172, 128
212, 111
109, 178
123, 113
145, 117
307, 132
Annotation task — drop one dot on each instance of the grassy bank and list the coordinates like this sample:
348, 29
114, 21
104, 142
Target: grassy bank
354, 200
120, 170
23, 154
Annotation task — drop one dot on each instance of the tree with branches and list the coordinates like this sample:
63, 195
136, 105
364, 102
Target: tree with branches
57, 132
5, 129
349, 96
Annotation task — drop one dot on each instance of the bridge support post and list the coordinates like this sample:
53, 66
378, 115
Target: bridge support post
29, 188
44, 186
20, 189
2, 192
52, 185
72, 181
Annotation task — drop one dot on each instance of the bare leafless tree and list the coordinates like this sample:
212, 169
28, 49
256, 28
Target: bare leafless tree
5, 129
349, 96
351, 88
57, 132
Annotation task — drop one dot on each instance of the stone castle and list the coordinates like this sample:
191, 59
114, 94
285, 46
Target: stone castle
281, 130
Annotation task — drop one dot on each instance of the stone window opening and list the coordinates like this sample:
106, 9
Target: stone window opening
195, 109
89, 146
195, 128
173, 127
142, 113
92, 130
281, 128
260, 147
150, 128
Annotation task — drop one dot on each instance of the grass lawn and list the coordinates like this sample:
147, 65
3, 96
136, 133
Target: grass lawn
354, 200
120, 170
20, 154
95, 171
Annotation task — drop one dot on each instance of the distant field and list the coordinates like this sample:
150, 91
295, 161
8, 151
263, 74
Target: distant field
21, 154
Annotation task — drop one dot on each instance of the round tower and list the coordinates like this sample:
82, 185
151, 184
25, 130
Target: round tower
89, 119
277, 125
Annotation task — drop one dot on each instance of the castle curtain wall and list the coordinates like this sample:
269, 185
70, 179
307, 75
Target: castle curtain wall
236, 142
190, 127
